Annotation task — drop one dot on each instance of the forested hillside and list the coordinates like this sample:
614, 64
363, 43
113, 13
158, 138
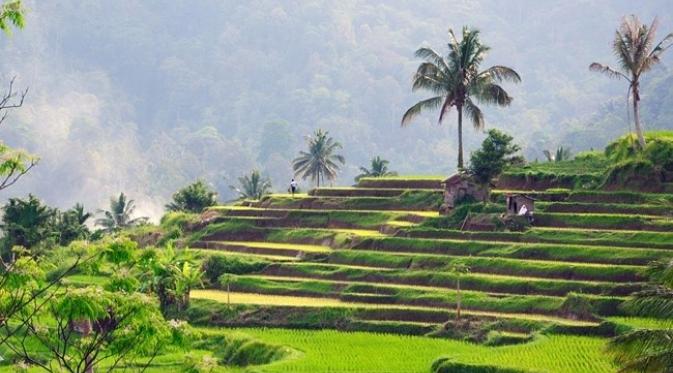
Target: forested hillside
143, 98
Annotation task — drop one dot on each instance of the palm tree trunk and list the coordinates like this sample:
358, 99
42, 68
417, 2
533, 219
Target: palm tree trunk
318, 178
460, 137
636, 116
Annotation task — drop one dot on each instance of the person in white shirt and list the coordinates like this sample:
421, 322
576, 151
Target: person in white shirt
293, 186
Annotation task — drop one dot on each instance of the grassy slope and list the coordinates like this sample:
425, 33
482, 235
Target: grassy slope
368, 352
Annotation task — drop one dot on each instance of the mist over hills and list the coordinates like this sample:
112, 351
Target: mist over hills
146, 96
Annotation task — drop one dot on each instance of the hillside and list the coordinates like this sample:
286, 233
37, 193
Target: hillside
377, 257
145, 98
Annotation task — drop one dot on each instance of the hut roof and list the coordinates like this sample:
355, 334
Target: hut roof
520, 195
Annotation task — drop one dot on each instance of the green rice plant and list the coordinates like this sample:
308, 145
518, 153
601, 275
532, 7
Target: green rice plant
472, 281
540, 251
502, 266
367, 352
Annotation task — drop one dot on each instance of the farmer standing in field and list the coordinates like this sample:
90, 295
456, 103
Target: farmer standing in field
293, 186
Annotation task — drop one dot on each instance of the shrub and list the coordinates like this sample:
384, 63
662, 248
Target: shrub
496, 153
193, 198
446, 365
217, 265
577, 307
634, 173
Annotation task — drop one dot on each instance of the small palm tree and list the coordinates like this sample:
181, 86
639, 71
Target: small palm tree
459, 269
379, 168
252, 186
185, 277
562, 154
120, 215
636, 53
646, 350
320, 161
455, 81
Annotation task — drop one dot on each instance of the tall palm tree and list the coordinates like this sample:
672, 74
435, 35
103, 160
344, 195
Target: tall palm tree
253, 186
320, 161
379, 168
120, 215
455, 81
636, 53
649, 350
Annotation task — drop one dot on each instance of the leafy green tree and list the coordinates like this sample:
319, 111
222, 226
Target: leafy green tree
71, 225
647, 350
13, 163
378, 168
193, 198
11, 14
455, 81
320, 161
120, 215
637, 52
26, 222
497, 152
561, 154
253, 186
91, 326
170, 274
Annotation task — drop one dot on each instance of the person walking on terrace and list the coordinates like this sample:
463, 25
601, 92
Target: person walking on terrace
293, 187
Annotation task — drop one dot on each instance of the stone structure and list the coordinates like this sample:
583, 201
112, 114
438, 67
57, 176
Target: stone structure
515, 201
458, 186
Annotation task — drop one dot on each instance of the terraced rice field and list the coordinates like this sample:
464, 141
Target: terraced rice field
366, 352
371, 257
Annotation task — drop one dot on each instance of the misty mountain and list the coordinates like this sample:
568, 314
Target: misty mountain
147, 96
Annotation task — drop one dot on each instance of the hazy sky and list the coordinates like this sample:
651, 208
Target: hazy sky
146, 96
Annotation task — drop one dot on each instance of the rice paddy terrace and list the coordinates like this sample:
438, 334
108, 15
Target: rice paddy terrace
376, 257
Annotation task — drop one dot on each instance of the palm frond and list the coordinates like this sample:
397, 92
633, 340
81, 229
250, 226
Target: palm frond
475, 114
607, 70
427, 104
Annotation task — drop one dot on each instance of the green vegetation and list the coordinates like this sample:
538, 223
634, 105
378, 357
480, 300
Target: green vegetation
320, 161
120, 215
253, 186
193, 198
378, 168
497, 153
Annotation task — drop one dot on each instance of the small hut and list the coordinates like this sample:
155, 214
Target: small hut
518, 203
459, 186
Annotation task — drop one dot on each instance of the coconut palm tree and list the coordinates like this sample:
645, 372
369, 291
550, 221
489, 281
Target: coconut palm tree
120, 215
636, 53
455, 81
252, 186
320, 161
647, 350
561, 154
379, 168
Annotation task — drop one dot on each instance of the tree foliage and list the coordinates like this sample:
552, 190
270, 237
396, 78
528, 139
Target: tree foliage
11, 14
645, 350
253, 186
561, 154
378, 168
497, 152
321, 159
194, 197
455, 81
637, 52
120, 215
27, 223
